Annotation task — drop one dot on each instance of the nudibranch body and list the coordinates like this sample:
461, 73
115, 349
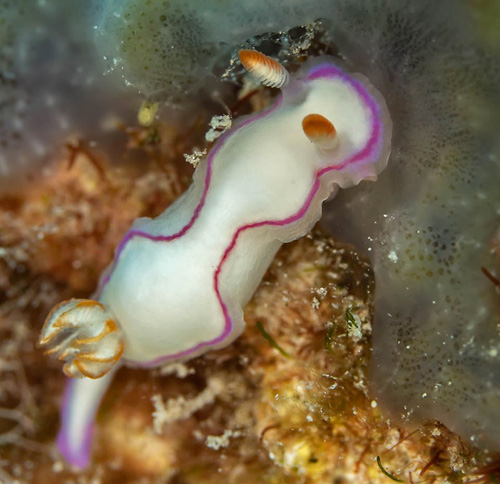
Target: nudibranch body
178, 283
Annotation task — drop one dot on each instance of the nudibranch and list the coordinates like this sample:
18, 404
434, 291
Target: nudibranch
178, 283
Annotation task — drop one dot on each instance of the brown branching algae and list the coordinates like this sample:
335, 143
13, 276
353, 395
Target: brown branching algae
303, 396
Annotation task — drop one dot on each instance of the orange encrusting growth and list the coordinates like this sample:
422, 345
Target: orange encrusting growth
263, 68
320, 131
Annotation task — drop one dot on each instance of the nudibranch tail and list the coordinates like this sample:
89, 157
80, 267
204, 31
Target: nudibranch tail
82, 398
320, 131
263, 68
82, 333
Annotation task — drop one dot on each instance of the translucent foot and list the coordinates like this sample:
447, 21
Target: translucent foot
81, 333
82, 399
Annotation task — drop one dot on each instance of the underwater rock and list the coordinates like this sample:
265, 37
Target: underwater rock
431, 220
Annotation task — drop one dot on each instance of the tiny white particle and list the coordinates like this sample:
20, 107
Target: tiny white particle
393, 257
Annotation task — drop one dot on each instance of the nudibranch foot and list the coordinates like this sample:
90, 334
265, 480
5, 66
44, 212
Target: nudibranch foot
82, 397
82, 333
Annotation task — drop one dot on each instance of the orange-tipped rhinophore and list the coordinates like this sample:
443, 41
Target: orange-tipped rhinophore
320, 131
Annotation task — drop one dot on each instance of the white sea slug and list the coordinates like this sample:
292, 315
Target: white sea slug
178, 283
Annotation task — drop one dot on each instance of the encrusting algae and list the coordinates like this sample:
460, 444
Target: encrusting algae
288, 402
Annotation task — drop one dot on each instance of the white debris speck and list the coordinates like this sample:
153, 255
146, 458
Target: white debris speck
57, 467
354, 328
218, 126
321, 291
181, 408
393, 257
217, 442
195, 157
180, 370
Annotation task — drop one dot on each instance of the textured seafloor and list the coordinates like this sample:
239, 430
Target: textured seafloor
289, 401
252, 412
